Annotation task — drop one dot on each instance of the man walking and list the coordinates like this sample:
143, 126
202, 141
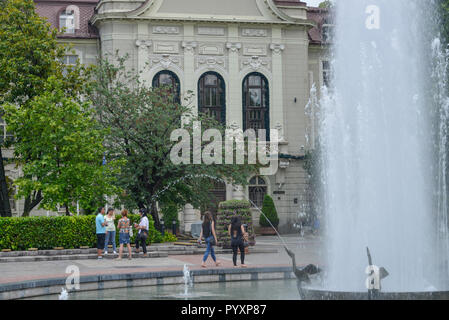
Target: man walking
101, 231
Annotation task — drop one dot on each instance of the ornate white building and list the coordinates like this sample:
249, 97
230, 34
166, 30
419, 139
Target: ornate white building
250, 63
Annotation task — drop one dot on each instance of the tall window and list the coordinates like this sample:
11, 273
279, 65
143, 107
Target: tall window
169, 79
212, 96
257, 190
67, 21
256, 102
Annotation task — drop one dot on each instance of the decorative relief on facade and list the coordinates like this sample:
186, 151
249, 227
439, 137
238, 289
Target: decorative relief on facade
211, 62
254, 32
166, 30
143, 44
234, 46
165, 61
211, 31
189, 46
255, 63
277, 48
211, 49
280, 130
255, 50
165, 47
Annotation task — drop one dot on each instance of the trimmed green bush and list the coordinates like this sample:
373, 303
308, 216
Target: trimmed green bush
228, 209
270, 212
22, 233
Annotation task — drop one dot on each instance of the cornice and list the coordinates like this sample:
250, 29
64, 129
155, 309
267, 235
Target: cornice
284, 19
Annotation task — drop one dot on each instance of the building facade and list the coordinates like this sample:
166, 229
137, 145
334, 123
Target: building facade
250, 63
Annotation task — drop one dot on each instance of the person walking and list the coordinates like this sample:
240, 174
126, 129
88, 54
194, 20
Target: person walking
101, 231
237, 233
123, 226
110, 231
208, 231
143, 228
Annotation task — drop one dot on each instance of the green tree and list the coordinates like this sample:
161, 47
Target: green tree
141, 120
29, 55
269, 213
327, 4
60, 149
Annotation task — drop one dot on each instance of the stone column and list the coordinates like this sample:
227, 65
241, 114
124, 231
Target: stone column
189, 90
234, 105
142, 53
190, 216
238, 193
277, 107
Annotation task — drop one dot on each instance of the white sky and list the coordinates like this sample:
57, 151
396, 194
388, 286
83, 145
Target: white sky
313, 3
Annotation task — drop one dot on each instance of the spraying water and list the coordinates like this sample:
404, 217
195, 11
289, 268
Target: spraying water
187, 280
375, 135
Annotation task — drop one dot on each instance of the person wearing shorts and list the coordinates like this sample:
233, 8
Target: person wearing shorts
123, 226
101, 231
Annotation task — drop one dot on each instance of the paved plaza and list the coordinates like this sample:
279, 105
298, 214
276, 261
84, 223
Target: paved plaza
307, 250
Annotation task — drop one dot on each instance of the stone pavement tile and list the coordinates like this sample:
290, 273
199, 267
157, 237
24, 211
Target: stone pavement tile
306, 252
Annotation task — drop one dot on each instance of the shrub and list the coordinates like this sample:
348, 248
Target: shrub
169, 237
269, 211
22, 233
228, 209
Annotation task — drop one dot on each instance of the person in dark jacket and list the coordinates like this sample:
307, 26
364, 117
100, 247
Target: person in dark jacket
238, 235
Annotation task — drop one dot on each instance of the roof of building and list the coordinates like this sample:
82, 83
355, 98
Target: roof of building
51, 10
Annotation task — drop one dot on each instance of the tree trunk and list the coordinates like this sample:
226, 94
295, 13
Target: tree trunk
67, 213
5, 208
155, 215
31, 203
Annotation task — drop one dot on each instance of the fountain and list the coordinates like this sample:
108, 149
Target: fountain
187, 280
376, 137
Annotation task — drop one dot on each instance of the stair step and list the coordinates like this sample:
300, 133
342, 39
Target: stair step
79, 257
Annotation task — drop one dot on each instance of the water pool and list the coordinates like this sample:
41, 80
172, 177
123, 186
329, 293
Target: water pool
238, 290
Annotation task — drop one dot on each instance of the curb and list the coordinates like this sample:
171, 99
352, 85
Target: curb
52, 286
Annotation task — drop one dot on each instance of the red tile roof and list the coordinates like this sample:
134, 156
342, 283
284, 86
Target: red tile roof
320, 16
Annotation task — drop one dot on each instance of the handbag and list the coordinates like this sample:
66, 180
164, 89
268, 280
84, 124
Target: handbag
245, 240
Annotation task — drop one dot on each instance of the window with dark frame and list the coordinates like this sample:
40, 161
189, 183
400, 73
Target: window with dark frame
212, 96
257, 190
256, 103
170, 80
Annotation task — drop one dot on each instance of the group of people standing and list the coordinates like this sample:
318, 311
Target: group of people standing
106, 232
237, 233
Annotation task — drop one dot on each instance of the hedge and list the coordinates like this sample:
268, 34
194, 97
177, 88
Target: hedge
22, 233
228, 209
269, 210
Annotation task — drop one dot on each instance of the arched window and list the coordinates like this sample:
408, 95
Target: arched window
257, 190
69, 19
169, 79
256, 103
212, 96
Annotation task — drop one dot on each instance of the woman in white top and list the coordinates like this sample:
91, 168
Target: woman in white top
143, 228
110, 231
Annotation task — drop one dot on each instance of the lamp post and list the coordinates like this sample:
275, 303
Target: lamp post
174, 227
